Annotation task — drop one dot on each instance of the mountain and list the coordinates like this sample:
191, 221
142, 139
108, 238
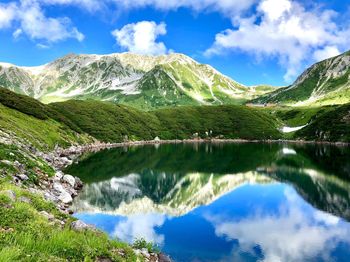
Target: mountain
324, 83
139, 80
132, 195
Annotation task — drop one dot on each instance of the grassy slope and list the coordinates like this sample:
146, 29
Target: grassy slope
331, 124
26, 235
229, 121
35, 123
329, 91
327, 123
109, 122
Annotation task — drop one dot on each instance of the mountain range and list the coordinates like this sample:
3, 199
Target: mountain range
148, 82
324, 83
139, 80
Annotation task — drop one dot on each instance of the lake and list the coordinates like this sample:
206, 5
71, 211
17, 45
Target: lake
222, 202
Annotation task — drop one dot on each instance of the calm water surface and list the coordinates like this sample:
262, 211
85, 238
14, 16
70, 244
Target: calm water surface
226, 202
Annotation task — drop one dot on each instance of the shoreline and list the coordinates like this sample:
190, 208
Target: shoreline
77, 150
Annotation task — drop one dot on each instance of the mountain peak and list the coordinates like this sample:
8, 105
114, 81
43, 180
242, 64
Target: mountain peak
144, 81
324, 83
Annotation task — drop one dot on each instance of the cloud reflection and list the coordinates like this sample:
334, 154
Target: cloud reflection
291, 234
140, 226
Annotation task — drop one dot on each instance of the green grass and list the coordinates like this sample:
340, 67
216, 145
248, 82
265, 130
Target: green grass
324, 123
111, 123
318, 85
29, 236
142, 243
330, 124
26, 235
35, 123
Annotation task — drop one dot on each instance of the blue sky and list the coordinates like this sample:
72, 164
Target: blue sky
252, 41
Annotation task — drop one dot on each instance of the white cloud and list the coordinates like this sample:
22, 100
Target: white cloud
286, 30
327, 52
141, 37
30, 20
7, 14
17, 33
37, 26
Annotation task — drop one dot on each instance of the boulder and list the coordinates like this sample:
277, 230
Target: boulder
58, 187
50, 197
48, 216
23, 177
58, 176
11, 194
80, 226
78, 183
69, 179
25, 200
65, 197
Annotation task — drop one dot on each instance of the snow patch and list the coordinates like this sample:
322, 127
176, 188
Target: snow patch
287, 129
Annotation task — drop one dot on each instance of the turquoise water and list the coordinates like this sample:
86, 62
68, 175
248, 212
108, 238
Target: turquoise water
226, 202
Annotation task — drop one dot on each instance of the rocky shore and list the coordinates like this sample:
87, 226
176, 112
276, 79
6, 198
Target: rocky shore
62, 188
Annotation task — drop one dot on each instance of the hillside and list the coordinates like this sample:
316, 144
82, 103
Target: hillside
111, 123
28, 121
324, 83
142, 81
331, 124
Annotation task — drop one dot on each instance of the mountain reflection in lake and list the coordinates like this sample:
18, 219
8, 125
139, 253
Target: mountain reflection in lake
222, 202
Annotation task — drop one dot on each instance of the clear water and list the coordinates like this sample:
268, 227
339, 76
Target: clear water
226, 202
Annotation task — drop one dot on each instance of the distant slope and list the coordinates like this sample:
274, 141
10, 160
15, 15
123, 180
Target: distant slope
325, 83
142, 81
73, 122
111, 123
31, 122
331, 124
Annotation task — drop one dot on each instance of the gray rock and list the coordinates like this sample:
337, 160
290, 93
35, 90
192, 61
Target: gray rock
58, 187
25, 200
69, 179
10, 194
48, 216
78, 183
23, 177
50, 197
66, 161
65, 197
58, 176
80, 226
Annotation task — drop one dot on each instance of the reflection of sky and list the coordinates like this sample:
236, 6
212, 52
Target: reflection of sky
254, 222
